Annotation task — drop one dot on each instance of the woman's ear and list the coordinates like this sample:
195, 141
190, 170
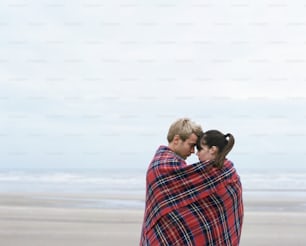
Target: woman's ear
213, 150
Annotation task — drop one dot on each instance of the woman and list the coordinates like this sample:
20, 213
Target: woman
213, 146
212, 149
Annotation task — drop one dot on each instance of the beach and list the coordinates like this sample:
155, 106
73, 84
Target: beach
35, 219
45, 219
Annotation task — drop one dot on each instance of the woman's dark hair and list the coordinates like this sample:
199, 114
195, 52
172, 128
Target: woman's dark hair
224, 143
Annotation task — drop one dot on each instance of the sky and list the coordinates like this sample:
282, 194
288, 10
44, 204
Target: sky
96, 84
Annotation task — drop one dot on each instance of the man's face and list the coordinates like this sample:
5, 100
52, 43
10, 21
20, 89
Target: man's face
186, 148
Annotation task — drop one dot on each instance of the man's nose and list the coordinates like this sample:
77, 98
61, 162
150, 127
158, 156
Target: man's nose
192, 150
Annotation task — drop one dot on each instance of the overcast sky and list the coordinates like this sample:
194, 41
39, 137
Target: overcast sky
96, 84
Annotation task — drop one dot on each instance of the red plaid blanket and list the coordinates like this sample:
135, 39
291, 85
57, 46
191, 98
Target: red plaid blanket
191, 204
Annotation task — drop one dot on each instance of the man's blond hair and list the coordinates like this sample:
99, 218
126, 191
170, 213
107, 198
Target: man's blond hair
183, 127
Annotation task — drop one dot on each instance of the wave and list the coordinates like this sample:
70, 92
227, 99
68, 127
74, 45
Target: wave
78, 181
277, 181
127, 181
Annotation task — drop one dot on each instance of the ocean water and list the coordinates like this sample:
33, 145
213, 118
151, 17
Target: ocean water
131, 182
73, 181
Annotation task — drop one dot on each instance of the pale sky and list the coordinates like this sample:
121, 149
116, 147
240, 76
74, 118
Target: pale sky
97, 83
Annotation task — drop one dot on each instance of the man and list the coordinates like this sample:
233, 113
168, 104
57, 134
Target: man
182, 138
190, 204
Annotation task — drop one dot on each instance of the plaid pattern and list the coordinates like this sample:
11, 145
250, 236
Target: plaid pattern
191, 204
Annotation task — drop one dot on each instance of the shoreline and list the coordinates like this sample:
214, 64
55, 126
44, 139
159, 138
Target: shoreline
258, 201
29, 219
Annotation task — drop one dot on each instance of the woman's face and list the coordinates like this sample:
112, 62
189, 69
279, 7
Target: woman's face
206, 153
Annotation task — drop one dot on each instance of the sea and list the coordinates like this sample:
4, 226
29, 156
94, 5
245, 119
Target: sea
129, 184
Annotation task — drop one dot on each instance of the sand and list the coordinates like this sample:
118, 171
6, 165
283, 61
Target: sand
32, 220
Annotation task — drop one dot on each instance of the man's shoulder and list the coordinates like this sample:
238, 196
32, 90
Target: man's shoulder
165, 156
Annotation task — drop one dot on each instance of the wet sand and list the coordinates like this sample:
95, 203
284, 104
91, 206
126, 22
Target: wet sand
44, 219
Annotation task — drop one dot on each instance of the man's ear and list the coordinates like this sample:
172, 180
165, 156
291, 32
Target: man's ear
176, 139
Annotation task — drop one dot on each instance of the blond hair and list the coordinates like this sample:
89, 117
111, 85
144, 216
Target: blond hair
183, 127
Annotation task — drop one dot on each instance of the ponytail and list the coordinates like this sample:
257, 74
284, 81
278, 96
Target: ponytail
230, 141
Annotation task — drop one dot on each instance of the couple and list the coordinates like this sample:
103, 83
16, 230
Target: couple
197, 204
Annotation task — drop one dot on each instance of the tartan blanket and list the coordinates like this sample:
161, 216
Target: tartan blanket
191, 204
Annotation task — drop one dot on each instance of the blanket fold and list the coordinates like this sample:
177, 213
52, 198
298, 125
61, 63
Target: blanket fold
175, 188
